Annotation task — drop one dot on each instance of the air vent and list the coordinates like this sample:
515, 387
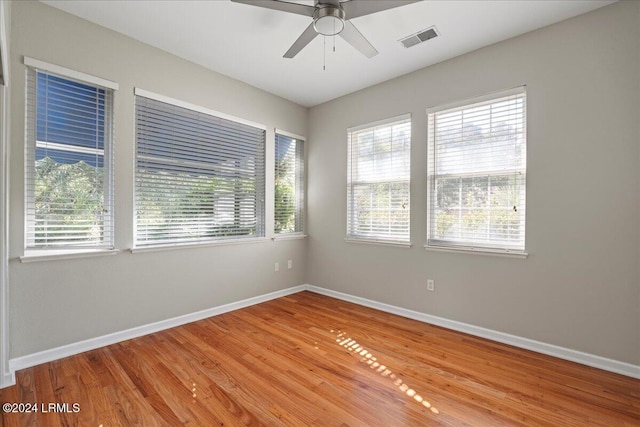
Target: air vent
419, 37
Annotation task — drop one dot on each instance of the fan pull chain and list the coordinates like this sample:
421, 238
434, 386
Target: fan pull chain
324, 53
334, 35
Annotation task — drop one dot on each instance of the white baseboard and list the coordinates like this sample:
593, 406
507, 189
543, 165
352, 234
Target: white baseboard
8, 379
34, 359
537, 346
599, 362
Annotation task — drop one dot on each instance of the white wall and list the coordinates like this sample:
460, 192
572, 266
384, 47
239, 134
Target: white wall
54, 303
580, 286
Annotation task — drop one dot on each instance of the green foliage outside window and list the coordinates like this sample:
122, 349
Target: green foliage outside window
68, 197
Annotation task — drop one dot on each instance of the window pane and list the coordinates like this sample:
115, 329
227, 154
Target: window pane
69, 183
381, 209
198, 176
477, 170
378, 181
289, 186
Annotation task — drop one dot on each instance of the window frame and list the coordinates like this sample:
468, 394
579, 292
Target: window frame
466, 246
351, 236
31, 251
139, 246
300, 191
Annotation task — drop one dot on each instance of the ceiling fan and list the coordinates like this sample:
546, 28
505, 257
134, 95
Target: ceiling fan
330, 18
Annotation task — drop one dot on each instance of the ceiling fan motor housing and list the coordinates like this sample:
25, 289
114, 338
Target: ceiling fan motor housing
328, 20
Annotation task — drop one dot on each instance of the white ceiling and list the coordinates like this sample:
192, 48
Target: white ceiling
247, 42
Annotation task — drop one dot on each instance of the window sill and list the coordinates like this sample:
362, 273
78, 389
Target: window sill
173, 246
56, 254
379, 242
478, 251
291, 236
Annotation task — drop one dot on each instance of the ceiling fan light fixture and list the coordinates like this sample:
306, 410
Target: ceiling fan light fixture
328, 21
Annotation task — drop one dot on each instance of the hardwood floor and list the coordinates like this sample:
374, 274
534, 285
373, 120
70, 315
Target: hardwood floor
308, 359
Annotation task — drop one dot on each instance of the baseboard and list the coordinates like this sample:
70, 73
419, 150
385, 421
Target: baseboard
599, 362
537, 346
91, 344
8, 379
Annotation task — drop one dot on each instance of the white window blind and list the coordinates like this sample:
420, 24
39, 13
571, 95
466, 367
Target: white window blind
378, 179
477, 174
199, 177
69, 163
289, 185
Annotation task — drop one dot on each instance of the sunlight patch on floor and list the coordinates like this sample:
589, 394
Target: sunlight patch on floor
367, 357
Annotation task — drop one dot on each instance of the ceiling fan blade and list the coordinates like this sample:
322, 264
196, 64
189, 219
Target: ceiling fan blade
356, 8
304, 39
351, 34
299, 9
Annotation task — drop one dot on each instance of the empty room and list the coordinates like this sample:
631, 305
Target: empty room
319, 212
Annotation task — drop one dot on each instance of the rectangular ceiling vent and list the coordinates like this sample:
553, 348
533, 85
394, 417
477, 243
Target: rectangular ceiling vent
419, 37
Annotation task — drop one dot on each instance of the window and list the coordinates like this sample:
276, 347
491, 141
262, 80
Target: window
289, 184
199, 174
378, 181
477, 174
69, 160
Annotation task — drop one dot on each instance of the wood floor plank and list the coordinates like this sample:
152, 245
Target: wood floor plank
307, 359
221, 382
190, 381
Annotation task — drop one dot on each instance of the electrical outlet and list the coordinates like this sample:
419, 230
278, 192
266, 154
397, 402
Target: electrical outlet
290, 264
431, 285
277, 266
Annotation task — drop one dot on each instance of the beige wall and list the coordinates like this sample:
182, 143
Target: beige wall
5, 376
580, 286
59, 302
